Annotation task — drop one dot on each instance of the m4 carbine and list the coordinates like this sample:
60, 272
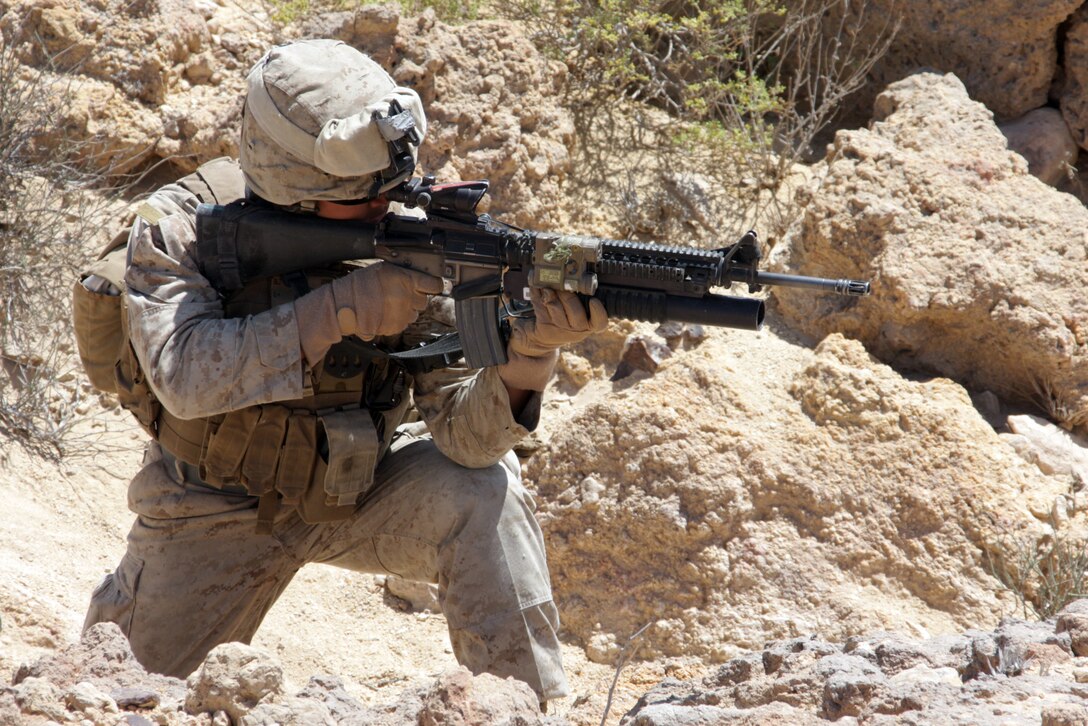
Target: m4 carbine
488, 267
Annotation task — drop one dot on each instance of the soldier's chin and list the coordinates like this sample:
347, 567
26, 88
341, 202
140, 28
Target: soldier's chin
370, 210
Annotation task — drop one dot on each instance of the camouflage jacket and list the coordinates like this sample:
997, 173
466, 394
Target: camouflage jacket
201, 363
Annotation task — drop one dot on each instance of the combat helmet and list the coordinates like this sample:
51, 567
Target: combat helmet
322, 121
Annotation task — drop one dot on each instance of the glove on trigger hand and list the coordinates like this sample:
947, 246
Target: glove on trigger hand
561, 319
379, 299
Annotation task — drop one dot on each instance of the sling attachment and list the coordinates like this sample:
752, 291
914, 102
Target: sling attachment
217, 248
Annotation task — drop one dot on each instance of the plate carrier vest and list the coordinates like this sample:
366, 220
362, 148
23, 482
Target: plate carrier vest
317, 453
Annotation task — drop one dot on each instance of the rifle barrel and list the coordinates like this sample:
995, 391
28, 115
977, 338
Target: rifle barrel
853, 288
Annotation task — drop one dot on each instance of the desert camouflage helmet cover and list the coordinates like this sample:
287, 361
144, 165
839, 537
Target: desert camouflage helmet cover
308, 127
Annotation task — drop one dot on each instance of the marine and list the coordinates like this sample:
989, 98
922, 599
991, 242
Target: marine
285, 431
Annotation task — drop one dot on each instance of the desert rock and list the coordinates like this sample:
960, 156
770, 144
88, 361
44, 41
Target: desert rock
945, 682
176, 98
1044, 140
239, 684
1006, 65
977, 267
744, 487
1074, 79
723, 494
1055, 450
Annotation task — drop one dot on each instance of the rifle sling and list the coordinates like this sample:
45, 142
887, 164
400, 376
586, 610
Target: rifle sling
442, 352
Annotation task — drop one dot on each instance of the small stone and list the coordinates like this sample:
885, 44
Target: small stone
134, 698
641, 354
85, 697
458, 697
422, 597
1058, 451
679, 335
694, 334
591, 490
37, 696
232, 678
672, 332
1076, 625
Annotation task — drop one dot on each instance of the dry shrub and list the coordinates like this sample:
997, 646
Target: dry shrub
1057, 404
52, 200
1043, 574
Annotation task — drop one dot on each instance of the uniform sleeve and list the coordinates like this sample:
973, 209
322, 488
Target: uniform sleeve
468, 414
468, 411
198, 362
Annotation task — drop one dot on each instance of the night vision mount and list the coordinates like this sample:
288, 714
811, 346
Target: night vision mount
398, 128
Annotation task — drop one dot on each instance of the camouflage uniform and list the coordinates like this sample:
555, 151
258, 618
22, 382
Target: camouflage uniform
448, 508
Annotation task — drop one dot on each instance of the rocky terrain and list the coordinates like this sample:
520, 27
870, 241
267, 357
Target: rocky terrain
834, 518
1019, 673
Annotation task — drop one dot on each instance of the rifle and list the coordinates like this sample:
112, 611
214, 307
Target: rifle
488, 266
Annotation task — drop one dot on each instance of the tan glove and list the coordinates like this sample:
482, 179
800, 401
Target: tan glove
534, 344
379, 299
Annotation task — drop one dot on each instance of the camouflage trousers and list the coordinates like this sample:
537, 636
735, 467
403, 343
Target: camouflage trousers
196, 573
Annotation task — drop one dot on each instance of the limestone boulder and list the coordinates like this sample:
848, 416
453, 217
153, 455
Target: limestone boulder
1006, 52
234, 678
754, 489
1074, 78
165, 81
494, 102
141, 81
1043, 138
978, 268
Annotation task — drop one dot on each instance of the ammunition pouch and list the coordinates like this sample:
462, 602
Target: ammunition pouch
320, 462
